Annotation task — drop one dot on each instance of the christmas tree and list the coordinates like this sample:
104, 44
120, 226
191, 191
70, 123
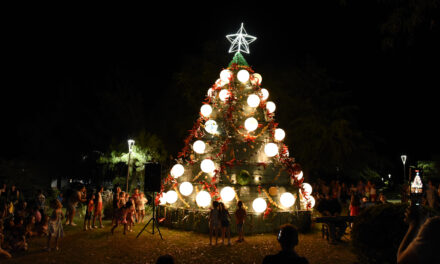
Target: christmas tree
235, 150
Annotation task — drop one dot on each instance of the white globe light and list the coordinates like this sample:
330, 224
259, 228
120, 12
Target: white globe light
259, 205
206, 110
311, 201
225, 75
163, 199
271, 149
251, 124
224, 94
307, 188
186, 188
203, 199
199, 146
258, 78
171, 197
279, 134
287, 199
210, 92
300, 175
207, 166
270, 106
227, 194
243, 76
253, 100
211, 126
177, 170
264, 94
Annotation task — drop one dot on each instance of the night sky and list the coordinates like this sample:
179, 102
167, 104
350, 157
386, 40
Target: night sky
393, 85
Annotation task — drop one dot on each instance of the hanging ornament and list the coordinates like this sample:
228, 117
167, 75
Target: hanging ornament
251, 124
307, 188
186, 188
310, 201
300, 175
244, 177
227, 194
257, 78
224, 94
259, 205
240, 41
211, 126
271, 149
171, 197
253, 100
279, 134
273, 191
206, 110
203, 199
243, 76
225, 75
199, 146
270, 106
210, 92
163, 199
287, 199
177, 170
264, 94
207, 166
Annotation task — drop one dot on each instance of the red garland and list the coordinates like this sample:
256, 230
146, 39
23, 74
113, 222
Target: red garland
268, 211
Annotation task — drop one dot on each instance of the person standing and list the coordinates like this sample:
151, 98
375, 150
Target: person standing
98, 208
55, 225
225, 223
240, 217
214, 220
76, 197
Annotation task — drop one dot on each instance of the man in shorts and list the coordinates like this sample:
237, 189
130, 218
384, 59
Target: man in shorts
72, 202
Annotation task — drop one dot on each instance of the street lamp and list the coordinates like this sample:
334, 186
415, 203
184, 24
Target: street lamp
130, 149
403, 157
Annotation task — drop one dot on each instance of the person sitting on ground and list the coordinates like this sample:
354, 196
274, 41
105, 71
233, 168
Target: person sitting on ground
288, 239
421, 243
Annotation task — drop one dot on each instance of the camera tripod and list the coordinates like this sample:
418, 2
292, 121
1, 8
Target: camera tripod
153, 220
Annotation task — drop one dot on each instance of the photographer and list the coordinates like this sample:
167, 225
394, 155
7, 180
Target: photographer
421, 243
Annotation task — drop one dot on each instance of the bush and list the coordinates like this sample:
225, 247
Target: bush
377, 233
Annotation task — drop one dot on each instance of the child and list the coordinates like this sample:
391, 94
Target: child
131, 214
136, 200
224, 221
142, 202
98, 208
240, 217
354, 205
43, 226
214, 222
89, 210
55, 225
122, 213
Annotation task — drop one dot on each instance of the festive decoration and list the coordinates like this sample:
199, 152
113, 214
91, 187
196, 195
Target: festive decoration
207, 166
259, 205
224, 94
244, 177
264, 94
225, 75
270, 106
171, 197
243, 76
199, 146
186, 188
206, 110
271, 149
279, 134
287, 199
177, 170
211, 126
253, 100
240, 41
307, 188
257, 79
227, 194
203, 199
251, 124
273, 191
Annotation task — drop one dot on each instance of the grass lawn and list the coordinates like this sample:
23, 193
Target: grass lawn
99, 246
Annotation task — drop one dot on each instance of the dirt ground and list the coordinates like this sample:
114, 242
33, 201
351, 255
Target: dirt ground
99, 246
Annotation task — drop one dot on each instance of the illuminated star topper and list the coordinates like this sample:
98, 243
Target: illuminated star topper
240, 41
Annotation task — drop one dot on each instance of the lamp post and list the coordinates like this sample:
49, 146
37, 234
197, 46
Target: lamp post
130, 149
403, 157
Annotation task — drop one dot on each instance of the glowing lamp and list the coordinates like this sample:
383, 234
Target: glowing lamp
243, 76
253, 100
287, 199
271, 149
203, 199
264, 94
227, 194
206, 110
251, 124
307, 188
311, 201
171, 197
259, 205
258, 78
279, 134
223, 95
225, 75
177, 170
300, 175
199, 146
210, 92
186, 188
211, 126
270, 106
207, 166
163, 199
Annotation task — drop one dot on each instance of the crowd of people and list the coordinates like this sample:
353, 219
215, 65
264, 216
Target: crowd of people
23, 218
